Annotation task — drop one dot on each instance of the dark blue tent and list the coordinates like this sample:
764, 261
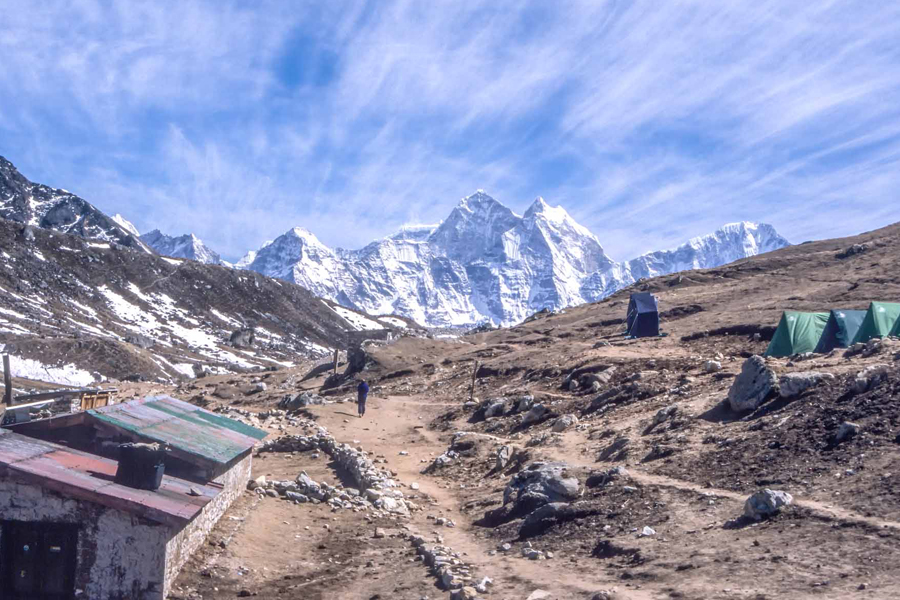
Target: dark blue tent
840, 330
643, 316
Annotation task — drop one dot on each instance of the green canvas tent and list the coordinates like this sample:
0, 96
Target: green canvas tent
841, 329
895, 332
879, 321
797, 332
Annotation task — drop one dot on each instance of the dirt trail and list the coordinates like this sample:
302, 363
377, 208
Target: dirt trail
388, 428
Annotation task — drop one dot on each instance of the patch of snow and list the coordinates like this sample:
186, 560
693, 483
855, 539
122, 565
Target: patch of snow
39, 255
356, 320
64, 375
12, 313
393, 321
96, 245
172, 261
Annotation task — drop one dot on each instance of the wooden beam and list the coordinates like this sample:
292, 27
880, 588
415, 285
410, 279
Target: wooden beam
7, 381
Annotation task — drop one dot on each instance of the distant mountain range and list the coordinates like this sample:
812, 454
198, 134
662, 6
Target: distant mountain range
484, 262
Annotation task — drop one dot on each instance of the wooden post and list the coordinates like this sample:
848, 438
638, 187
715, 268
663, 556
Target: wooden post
472, 387
7, 382
335, 361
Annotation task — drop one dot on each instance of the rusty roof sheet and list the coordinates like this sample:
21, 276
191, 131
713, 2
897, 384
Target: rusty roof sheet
87, 477
193, 432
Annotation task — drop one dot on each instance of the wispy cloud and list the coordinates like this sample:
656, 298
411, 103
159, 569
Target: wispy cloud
651, 122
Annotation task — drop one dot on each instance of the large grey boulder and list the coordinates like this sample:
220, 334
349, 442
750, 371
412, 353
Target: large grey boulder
794, 384
301, 400
766, 503
751, 388
540, 484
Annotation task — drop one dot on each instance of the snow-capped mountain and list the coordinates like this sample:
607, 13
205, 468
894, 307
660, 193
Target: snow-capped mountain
486, 262
126, 224
184, 246
50, 208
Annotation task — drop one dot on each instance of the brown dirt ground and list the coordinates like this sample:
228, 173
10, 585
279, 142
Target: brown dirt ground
690, 476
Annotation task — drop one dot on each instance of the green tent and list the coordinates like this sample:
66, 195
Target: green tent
895, 332
797, 332
879, 321
841, 329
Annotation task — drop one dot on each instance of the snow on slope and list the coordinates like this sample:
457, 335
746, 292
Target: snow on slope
126, 225
485, 262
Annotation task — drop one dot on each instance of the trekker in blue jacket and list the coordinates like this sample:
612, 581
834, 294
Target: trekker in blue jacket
362, 391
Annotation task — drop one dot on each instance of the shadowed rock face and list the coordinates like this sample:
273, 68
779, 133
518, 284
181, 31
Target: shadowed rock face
49, 208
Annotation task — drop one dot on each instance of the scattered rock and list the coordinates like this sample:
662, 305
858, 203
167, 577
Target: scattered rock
712, 366
504, 454
379, 533
539, 595
753, 386
794, 384
647, 531
564, 422
540, 484
869, 378
766, 503
534, 415
496, 408
243, 338
846, 431
618, 450
665, 413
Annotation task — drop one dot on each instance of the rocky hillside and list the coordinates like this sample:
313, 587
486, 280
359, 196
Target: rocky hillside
74, 310
484, 262
50, 208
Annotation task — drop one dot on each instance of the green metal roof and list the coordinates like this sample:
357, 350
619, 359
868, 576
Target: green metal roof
190, 431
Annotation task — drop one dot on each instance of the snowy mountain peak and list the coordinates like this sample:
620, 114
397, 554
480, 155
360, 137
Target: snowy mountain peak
484, 262
126, 225
185, 246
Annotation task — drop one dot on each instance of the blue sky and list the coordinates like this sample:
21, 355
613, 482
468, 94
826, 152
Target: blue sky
650, 122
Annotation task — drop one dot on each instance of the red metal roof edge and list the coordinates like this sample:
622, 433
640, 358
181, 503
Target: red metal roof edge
74, 473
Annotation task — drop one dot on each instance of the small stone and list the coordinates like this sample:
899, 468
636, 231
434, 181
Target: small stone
766, 503
846, 431
379, 533
647, 532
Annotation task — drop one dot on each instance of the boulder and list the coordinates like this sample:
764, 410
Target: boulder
535, 414
540, 484
242, 338
564, 422
495, 408
753, 386
712, 366
766, 503
603, 377
869, 377
504, 454
523, 404
141, 341
618, 450
301, 400
665, 413
794, 384
846, 431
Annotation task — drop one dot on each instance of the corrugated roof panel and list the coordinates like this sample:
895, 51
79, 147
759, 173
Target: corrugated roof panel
92, 478
182, 426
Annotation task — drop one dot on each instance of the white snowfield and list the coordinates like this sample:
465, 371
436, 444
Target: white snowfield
485, 262
356, 320
63, 375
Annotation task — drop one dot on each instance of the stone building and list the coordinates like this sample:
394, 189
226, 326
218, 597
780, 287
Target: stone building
68, 529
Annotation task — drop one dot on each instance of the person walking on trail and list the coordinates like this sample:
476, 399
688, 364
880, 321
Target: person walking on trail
362, 391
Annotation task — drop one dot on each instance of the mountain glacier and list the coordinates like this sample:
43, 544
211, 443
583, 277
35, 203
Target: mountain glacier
184, 246
485, 262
